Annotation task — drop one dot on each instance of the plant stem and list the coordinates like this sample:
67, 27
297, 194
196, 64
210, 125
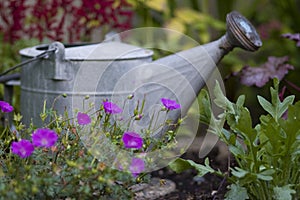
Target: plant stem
294, 86
93, 161
157, 118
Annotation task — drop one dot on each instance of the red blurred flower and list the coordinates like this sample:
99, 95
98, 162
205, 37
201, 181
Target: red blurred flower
61, 19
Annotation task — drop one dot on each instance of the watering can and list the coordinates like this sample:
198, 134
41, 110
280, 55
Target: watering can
68, 77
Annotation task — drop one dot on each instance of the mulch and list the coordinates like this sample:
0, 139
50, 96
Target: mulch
188, 187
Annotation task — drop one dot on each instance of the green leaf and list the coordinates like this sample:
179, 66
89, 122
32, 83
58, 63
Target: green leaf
237, 152
276, 109
266, 175
221, 99
240, 101
180, 165
267, 106
236, 192
205, 107
291, 127
207, 115
238, 172
274, 92
17, 117
202, 169
241, 123
268, 172
285, 104
270, 131
237, 116
283, 193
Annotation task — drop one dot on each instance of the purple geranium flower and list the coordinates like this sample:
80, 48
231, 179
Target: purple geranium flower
83, 119
295, 37
44, 137
6, 107
23, 148
170, 104
111, 108
132, 140
137, 166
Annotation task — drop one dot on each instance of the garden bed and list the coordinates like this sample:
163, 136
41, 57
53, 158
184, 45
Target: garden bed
187, 187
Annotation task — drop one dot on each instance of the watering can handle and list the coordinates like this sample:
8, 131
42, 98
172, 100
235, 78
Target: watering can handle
56, 52
60, 67
45, 54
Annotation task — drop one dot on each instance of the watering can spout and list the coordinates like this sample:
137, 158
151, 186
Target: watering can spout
240, 33
181, 76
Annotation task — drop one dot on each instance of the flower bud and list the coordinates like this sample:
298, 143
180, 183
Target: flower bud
138, 117
130, 96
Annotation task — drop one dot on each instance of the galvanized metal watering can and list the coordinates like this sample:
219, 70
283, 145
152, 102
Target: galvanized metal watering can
113, 70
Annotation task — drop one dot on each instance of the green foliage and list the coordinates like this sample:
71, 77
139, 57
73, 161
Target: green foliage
71, 167
185, 17
267, 155
65, 170
180, 165
276, 108
61, 178
9, 53
283, 193
236, 192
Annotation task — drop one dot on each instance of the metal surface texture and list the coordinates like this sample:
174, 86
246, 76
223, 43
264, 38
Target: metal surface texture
241, 32
51, 77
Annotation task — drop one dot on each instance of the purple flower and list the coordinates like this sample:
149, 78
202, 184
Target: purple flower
259, 76
83, 119
44, 137
132, 140
111, 108
137, 166
295, 37
170, 104
6, 107
23, 148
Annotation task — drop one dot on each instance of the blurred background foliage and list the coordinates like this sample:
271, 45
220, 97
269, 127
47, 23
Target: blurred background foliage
202, 20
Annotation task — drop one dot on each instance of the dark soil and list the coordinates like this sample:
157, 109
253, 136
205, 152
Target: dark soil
187, 187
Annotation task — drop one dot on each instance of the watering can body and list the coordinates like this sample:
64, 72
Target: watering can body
114, 70
49, 83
